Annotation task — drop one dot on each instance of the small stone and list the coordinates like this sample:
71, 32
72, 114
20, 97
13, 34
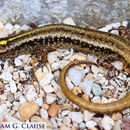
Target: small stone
116, 25
39, 101
8, 26
125, 111
10, 97
116, 116
53, 110
95, 69
13, 87
50, 98
103, 29
48, 88
66, 120
1, 25
109, 93
79, 56
117, 125
90, 76
125, 23
22, 99
76, 75
66, 106
118, 65
6, 76
63, 127
87, 115
39, 119
90, 124
85, 97
115, 32
27, 110
3, 32
82, 126
76, 117
43, 113
96, 89
76, 90
25, 28
45, 106
69, 21
17, 62
107, 122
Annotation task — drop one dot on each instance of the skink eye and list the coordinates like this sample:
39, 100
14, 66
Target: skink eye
3, 42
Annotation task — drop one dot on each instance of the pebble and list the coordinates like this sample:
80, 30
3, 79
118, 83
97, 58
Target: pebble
76, 75
125, 23
65, 112
85, 97
50, 98
117, 125
66, 106
39, 101
95, 69
87, 115
118, 65
76, 90
116, 25
53, 110
10, 97
69, 21
17, 62
27, 110
8, 26
6, 76
3, 32
103, 29
82, 126
45, 106
13, 87
43, 113
76, 117
96, 89
115, 32
107, 122
116, 116
1, 25
66, 120
48, 88
25, 28
91, 124
79, 56
39, 119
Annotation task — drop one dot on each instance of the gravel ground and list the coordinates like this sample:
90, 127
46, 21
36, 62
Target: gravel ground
30, 91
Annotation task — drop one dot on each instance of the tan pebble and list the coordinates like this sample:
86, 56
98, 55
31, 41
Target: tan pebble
32, 61
94, 128
53, 110
73, 128
27, 110
90, 76
97, 101
45, 106
63, 127
85, 97
109, 94
39, 119
117, 116
1, 85
66, 106
1, 25
127, 69
76, 90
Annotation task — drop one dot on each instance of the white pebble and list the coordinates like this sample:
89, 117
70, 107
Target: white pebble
95, 69
43, 113
8, 26
118, 65
109, 27
39, 101
103, 29
17, 62
76, 117
69, 21
91, 124
1, 25
87, 115
116, 25
50, 98
3, 32
66, 120
76, 75
13, 87
115, 32
25, 28
3, 108
65, 112
82, 126
125, 23
107, 122
22, 99
48, 88
69, 83
15, 75
117, 125
17, 27
6, 76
